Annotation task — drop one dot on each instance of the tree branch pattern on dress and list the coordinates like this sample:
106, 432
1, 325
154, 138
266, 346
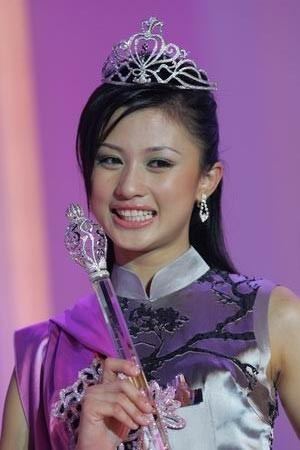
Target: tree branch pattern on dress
236, 290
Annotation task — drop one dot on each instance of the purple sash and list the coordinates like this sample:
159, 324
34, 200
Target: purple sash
49, 356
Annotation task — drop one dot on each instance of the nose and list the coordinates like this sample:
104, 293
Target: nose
131, 183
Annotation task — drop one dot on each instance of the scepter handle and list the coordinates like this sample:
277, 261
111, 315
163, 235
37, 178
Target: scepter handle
87, 245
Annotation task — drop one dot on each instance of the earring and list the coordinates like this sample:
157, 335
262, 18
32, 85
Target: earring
203, 208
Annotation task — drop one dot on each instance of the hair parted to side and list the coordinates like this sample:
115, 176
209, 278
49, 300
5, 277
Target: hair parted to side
196, 110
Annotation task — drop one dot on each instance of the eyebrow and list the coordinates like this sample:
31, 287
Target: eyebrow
155, 148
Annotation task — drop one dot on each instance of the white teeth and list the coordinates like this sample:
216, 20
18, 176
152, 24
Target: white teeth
135, 214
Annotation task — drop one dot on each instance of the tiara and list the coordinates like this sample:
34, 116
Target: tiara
146, 58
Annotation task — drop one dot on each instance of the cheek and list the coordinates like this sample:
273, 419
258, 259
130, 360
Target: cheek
182, 186
99, 197
99, 186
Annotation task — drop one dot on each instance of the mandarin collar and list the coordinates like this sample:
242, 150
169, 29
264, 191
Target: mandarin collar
176, 275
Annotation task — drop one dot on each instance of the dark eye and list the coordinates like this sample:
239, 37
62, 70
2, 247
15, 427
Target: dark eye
160, 163
107, 161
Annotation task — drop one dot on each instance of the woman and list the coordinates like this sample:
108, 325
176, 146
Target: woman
148, 150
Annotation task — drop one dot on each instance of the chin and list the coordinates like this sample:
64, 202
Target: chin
136, 246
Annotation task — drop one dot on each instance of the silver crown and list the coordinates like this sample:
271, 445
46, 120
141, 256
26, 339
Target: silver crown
146, 58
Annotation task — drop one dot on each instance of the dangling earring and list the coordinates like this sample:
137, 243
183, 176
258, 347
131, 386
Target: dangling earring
203, 208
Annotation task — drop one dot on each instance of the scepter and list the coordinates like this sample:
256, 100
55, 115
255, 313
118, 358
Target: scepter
87, 245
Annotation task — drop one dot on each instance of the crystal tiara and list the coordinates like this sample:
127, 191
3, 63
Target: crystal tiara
146, 58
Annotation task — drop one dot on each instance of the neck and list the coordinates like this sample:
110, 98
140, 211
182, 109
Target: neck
145, 265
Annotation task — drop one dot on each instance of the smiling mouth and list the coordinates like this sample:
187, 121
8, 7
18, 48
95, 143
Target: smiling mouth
134, 215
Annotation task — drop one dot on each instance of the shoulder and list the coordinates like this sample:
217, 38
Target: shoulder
284, 306
29, 343
284, 324
30, 346
235, 285
28, 340
284, 328
31, 338
33, 332
232, 278
284, 316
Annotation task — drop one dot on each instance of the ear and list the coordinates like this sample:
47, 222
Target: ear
209, 180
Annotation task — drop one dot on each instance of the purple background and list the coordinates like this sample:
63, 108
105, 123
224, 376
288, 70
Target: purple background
251, 49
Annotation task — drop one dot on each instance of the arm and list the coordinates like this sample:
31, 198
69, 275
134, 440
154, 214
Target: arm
284, 325
14, 427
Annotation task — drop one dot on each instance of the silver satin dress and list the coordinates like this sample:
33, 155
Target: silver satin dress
211, 328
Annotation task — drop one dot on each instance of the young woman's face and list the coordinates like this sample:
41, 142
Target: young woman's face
145, 182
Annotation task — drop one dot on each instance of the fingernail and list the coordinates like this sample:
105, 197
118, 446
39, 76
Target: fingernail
149, 407
145, 419
143, 393
136, 369
136, 365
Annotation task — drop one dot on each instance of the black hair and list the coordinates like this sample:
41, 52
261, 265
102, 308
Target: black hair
197, 111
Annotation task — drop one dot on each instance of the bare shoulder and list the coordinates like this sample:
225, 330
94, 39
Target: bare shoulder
14, 427
284, 312
284, 329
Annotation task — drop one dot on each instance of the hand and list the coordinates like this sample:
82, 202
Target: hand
112, 408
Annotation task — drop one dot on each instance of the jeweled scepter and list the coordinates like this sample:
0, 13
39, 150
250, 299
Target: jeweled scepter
87, 245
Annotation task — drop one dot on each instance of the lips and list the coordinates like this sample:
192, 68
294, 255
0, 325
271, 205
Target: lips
134, 215
133, 218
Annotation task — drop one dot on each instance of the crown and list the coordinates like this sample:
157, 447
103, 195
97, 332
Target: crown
146, 58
